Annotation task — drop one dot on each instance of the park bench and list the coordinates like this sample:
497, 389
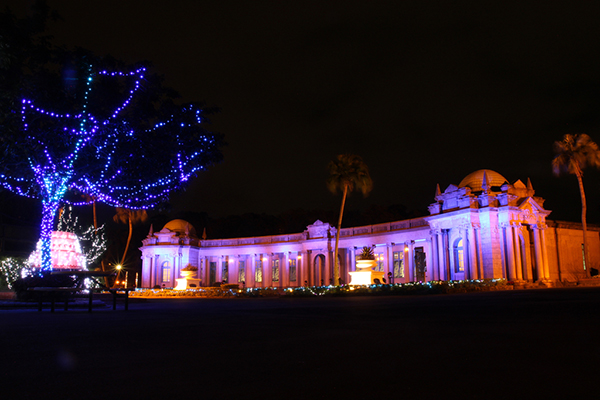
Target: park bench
66, 294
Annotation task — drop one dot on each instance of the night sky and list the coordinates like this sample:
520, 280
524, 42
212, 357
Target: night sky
426, 92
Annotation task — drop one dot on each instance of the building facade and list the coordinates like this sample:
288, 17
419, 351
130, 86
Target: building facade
482, 228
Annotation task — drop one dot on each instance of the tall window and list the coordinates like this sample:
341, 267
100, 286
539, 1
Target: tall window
398, 264
242, 271
459, 257
225, 271
212, 278
258, 271
166, 272
292, 270
379, 258
276, 270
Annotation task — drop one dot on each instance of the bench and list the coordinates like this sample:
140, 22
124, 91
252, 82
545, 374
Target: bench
58, 292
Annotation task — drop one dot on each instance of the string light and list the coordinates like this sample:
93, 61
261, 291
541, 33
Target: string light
98, 156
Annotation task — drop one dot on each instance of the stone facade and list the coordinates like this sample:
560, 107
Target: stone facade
483, 228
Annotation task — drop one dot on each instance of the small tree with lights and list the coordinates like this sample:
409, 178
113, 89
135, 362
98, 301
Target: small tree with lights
92, 240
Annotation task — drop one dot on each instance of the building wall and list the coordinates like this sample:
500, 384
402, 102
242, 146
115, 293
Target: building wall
564, 247
491, 233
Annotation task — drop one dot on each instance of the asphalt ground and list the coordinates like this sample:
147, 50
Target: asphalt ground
531, 344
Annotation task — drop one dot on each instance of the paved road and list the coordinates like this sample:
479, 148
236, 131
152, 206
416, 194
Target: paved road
522, 344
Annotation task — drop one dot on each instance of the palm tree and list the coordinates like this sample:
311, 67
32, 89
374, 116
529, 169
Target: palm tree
126, 215
347, 172
573, 154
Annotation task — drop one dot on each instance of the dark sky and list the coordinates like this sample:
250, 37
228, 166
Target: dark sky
426, 92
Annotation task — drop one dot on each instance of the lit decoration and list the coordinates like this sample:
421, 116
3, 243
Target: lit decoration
65, 250
93, 241
12, 268
109, 156
365, 275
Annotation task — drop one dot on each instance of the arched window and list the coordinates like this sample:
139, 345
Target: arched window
166, 272
459, 256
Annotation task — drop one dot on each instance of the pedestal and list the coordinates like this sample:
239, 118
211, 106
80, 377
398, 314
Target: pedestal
186, 283
365, 277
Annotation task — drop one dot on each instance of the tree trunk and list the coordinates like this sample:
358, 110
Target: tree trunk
336, 267
48, 212
586, 260
128, 240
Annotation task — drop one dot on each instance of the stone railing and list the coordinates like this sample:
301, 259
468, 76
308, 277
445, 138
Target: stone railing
385, 227
295, 237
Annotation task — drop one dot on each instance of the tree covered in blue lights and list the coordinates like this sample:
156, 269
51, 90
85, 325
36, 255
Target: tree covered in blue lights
96, 127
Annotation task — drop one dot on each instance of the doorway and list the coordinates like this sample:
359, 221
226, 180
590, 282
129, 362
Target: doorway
420, 264
319, 270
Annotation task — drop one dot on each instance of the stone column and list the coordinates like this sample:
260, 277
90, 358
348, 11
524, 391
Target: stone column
301, 275
539, 258
351, 263
146, 269
157, 272
472, 250
480, 266
434, 257
179, 263
233, 270
447, 263
309, 269
329, 265
543, 231
284, 278
250, 270
441, 258
410, 262
464, 233
510, 251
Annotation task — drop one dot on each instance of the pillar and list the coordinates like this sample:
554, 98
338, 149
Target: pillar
410, 262
472, 250
466, 254
480, 266
441, 258
539, 259
510, 252
545, 251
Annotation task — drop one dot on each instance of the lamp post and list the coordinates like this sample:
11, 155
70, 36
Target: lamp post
118, 267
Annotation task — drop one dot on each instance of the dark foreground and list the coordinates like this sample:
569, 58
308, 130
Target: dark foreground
496, 345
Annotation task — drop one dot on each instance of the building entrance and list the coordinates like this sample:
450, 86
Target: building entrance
420, 264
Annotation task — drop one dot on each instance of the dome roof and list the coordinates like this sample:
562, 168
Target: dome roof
180, 226
475, 179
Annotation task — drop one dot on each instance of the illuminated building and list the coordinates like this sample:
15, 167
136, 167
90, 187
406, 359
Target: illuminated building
483, 228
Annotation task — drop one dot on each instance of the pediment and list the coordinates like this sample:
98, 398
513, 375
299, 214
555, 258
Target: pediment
519, 185
451, 188
318, 230
530, 204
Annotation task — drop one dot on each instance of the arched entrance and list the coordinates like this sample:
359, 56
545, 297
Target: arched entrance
458, 259
319, 271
